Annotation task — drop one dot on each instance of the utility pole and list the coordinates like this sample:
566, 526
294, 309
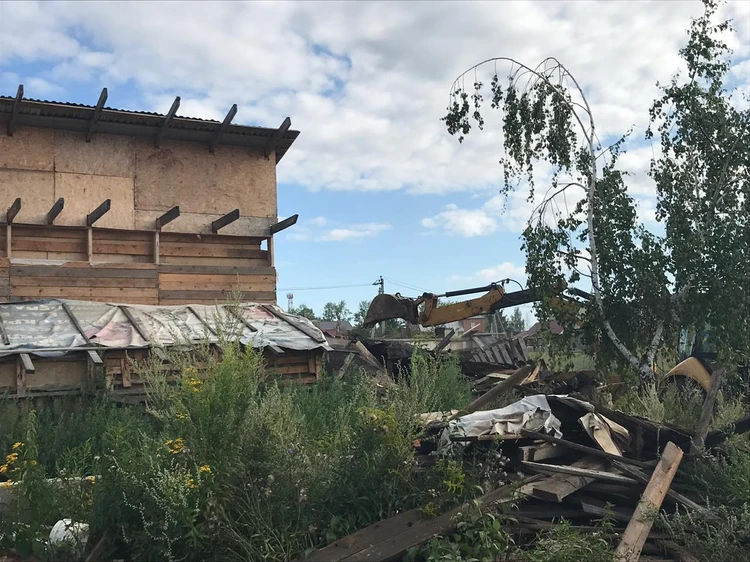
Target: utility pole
290, 302
380, 282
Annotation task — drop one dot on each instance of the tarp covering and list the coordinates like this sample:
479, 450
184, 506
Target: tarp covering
45, 327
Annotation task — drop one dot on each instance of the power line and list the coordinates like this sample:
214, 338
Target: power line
325, 288
405, 285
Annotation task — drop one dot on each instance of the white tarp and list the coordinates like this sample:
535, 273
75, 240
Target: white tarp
45, 327
531, 413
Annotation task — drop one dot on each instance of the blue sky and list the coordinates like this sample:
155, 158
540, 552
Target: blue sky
380, 187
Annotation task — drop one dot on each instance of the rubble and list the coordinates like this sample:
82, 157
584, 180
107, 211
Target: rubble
562, 456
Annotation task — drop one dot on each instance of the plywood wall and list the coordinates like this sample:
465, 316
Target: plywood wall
53, 261
42, 165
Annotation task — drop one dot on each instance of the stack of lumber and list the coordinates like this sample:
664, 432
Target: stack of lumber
605, 464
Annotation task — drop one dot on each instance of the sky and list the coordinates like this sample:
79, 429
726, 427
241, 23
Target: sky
380, 187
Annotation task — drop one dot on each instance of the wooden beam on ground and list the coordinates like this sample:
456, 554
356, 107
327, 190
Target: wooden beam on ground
583, 448
55, 210
638, 529
274, 140
97, 114
14, 112
707, 412
368, 357
577, 471
644, 479
445, 341
167, 121
168, 217
98, 213
13, 210
286, 223
541, 452
227, 219
516, 378
559, 486
222, 129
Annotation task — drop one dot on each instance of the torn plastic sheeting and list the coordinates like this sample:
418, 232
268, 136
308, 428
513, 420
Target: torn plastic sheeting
105, 324
38, 325
274, 330
532, 413
169, 325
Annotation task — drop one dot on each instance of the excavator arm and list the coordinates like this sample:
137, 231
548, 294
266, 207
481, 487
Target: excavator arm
425, 310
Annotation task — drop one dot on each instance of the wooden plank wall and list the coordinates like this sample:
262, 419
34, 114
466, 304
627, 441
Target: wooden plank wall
125, 266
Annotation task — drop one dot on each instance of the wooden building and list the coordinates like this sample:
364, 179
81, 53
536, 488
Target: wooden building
130, 208
106, 204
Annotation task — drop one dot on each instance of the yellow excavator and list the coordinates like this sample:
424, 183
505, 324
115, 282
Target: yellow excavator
697, 358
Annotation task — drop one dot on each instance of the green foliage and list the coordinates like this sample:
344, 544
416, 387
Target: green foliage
515, 324
562, 543
586, 223
336, 312
304, 310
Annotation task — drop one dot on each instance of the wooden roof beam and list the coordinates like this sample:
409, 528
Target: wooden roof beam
276, 138
98, 213
222, 129
13, 210
14, 112
227, 219
97, 114
55, 210
286, 223
28, 365
168, 217
167, 121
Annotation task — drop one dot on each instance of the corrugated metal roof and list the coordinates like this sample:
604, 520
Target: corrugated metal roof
44, 113
45, 328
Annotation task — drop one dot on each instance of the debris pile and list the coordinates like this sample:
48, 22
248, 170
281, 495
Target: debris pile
561, 456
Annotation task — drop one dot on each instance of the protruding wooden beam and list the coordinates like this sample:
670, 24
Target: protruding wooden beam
167, 120
97, 114
168, 217
13, 210
55, 210
98, 213
274, 140
286, 223
26, 362
4, 333
222, 129
227, 219
14, 111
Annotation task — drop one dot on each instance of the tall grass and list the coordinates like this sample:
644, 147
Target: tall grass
228, 464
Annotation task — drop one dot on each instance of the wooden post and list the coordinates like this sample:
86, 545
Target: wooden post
637, 531
156, 247
90, 243
270, 251
8, 244
707, 412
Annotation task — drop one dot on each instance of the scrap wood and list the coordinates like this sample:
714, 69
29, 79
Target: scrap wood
516, 378
558, 486
601, 430
541, 452
389, 540
445, 341
638, 529
365, 354
583, 448
643, 479
578, 471
707, 412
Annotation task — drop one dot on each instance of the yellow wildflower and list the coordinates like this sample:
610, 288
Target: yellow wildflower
91, 479
17, 445
34, 463
190, 483
10, 459
176, 446
3, 468
6, 484
204, 468
182, 416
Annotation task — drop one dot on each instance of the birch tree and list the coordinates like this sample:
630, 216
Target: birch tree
585, 227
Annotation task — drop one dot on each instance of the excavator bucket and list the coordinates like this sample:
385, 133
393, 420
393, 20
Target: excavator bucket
387, 307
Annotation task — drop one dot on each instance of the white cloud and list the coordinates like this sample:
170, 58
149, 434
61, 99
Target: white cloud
365, 82
462, 221
313, 231
504, 270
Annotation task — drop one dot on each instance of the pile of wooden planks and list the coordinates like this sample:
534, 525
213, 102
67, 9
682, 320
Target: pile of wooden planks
606, 464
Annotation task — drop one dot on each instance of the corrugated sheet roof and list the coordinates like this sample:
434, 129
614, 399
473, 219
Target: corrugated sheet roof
45, 328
